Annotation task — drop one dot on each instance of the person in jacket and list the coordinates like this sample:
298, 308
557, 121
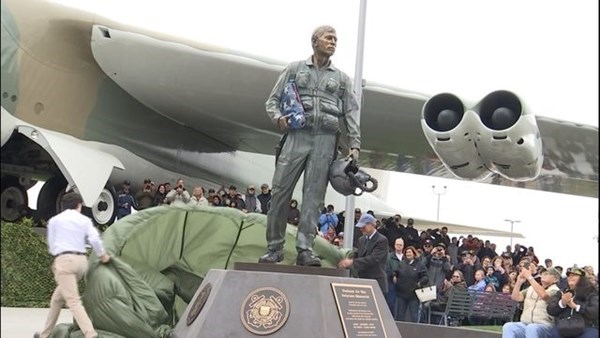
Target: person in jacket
145, 197
456, 282
178, 197
411, 274
264, 198
581, 297
535, 319
252, 202
371, 257
198, 198
328, 218
159, 197
125, 200
392, 263
293, 214
330, 105
438, 265
480, 283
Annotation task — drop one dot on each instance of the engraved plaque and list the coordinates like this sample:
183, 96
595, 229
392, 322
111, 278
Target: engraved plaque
198, 304
265, 311
358, 311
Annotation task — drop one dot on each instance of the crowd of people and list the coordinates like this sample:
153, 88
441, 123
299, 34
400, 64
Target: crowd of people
151, 195
419, 259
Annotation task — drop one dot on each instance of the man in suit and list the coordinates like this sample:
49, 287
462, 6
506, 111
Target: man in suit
371, 257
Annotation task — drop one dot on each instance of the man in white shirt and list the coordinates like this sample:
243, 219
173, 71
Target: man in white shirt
68, 234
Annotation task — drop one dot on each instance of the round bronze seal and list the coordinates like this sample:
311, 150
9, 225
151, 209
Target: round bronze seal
198, 304
265, 311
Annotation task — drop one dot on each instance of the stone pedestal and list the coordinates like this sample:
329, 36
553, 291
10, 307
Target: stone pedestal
292, 302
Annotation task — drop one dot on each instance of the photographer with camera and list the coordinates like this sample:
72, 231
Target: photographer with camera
468, 266
178, 196
145, 197
518, 253
438, 265
327, 219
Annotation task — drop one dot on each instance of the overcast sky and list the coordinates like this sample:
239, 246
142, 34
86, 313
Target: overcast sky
546, 51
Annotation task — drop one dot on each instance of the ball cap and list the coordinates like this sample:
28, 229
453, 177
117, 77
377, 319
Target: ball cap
576, 271
553, 272
364, 219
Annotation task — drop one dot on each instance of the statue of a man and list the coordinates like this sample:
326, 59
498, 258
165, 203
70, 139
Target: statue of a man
327, 97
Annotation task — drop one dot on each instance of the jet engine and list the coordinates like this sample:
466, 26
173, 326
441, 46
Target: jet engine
509, 138
450, 132
498, 134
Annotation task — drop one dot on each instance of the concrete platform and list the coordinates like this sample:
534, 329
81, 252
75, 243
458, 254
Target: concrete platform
24, 322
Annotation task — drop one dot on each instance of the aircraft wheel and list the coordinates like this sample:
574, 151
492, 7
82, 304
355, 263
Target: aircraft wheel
48, 203
13, 198
104, 210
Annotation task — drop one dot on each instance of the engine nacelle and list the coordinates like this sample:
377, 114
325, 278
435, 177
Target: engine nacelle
496, 135
508, 138
449, 131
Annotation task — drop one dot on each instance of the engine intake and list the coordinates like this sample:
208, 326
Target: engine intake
448, 129
497, 135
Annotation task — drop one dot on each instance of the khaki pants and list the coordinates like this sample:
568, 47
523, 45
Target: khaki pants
68, 270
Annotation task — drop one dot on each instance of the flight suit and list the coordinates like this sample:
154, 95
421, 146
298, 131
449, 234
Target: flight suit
327, 98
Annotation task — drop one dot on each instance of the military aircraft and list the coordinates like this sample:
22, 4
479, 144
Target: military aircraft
84, 97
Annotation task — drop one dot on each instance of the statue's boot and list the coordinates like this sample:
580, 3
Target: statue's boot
271, 257
306, 258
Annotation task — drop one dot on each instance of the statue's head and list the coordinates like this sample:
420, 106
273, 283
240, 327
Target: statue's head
324, 39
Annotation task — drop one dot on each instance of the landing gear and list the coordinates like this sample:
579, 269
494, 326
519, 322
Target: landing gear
14, 201
48, 203
104, 210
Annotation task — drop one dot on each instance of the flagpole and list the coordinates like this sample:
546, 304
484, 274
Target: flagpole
360, 45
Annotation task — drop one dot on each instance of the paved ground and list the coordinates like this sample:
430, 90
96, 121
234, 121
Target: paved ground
24, 322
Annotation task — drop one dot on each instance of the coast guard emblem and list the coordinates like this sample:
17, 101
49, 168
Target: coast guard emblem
265, 311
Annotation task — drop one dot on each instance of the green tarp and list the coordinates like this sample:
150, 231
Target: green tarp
161, 255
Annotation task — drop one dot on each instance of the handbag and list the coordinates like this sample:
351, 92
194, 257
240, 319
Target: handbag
572, 325
427, 293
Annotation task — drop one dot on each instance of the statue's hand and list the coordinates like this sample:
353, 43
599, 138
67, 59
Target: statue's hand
354, 153
282, 123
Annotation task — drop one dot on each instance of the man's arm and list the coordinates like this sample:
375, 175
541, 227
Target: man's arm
543, 293
380, 251
93, 237
185, 196
171, 195
258, 206
273, 104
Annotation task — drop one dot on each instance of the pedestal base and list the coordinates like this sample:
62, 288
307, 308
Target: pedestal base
242, 303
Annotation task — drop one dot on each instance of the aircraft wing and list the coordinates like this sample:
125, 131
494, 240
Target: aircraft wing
220, 94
